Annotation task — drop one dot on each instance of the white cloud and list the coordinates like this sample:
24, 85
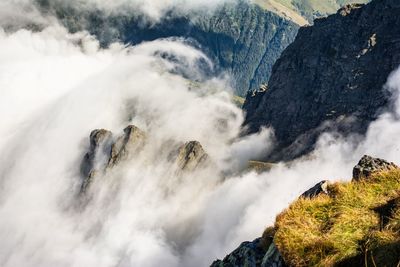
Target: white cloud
56, 87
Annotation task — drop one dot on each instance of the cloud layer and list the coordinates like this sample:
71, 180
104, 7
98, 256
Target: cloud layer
56, 87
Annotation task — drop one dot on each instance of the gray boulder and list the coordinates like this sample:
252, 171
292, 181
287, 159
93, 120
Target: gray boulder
320, 188
369, 165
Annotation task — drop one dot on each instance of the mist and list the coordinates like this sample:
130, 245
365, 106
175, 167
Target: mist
57, 87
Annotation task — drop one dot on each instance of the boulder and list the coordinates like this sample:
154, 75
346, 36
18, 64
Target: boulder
248, 254
320, 188
369, 165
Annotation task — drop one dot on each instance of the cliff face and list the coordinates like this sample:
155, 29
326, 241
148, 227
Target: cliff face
240, 38
334, 71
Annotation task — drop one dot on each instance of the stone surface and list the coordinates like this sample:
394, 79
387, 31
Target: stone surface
129, 143
190, 156
369, 165
99, 144
249, 254
105, 153
329, 79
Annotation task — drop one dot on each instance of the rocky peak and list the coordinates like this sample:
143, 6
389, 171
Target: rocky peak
106, 152
131, 141
369, 165
99, 144
190, 156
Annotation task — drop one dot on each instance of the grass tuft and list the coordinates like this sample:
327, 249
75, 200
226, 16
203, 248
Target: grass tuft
355, 223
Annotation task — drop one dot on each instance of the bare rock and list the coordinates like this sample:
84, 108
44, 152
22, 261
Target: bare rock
320, 188
130, 142
104, 153
190, 156
369, 165
99, 140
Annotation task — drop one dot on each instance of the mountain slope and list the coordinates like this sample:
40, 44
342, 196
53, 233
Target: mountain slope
240, 38
340, 224
333, 72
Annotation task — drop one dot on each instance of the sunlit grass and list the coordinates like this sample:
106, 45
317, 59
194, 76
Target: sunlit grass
327, 230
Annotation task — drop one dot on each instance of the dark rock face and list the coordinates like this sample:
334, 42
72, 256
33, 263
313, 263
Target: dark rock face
254, 254
369, 165
241, 38
247, 254
333, 72
320, 188
99, 143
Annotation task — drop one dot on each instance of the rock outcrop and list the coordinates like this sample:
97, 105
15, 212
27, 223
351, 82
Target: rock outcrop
369, 165
330, 78
130, 142
190, 156
106, 152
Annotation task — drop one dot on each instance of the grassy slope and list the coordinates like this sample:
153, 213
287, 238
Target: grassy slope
306, 9
358, 223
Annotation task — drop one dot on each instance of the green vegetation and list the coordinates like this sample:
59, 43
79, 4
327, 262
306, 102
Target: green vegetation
259, 166
358, 223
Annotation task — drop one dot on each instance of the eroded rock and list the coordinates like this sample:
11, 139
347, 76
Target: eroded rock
369, 165
130, 142
99, 143
104, 153
190, 156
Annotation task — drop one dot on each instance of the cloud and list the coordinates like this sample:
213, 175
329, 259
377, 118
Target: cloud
55, 87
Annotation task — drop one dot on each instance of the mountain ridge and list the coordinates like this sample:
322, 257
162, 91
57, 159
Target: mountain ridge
328, 83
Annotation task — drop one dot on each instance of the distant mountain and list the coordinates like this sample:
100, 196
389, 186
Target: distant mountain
240, 38
333, 72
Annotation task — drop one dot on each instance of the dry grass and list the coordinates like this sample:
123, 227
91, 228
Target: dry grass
357, 219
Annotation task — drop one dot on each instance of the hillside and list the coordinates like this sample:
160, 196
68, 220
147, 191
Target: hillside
334, 224
327, 78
